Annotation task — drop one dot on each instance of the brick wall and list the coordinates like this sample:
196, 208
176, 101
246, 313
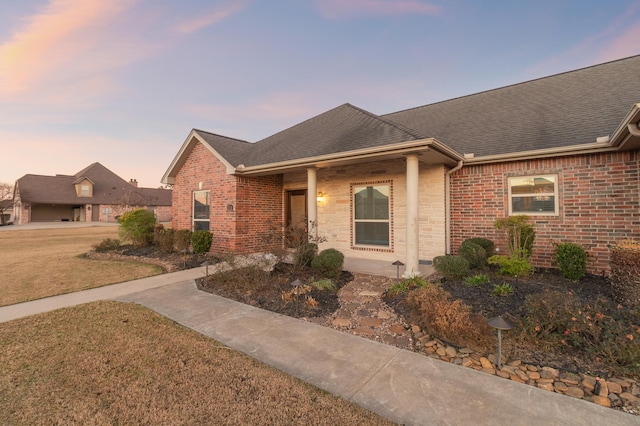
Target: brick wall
241, 207
598, 203
260, 213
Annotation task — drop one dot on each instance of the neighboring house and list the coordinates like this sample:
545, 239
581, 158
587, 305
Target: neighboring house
412, 185
94, 194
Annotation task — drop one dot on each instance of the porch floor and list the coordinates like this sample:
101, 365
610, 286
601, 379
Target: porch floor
379, 267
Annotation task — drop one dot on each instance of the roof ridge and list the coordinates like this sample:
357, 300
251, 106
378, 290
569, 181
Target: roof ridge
398, 126
302, 122
513, 85
221, 136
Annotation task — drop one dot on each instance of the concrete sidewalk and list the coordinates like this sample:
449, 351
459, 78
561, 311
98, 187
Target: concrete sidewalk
403, 386
8, 313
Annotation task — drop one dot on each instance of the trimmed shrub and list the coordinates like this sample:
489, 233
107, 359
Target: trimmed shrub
164, 238
572, 260
625, 272
451, 266
106, 245
201, 241
486, 244
475, 254
137, 226
329, 263
182, 239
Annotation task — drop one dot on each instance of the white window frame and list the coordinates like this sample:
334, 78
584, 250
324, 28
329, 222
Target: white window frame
554, 194
355, 189
195, 220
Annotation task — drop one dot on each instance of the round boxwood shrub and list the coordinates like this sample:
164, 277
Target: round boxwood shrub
451, 266
329, 263
201, 241
572, 260
474, 253
485, 243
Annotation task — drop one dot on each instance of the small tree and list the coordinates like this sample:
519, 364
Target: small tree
6, 200
137, 226
520, 235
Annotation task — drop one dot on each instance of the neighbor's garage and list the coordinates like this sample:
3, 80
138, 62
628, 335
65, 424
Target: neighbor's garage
51, 212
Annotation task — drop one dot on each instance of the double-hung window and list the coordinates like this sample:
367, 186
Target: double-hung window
201, 207
533, 195
371, 208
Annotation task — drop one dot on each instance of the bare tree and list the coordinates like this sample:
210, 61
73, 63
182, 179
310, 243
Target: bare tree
6, 200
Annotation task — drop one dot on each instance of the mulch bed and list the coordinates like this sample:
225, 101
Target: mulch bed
266, 292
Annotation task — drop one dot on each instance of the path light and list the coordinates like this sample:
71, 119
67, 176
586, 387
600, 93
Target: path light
397, 264
500, 324
296, 285
206, 268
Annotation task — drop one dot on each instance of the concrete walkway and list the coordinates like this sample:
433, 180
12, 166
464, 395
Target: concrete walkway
400, 385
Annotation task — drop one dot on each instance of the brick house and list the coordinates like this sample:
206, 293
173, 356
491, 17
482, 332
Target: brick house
413, 184
94, 194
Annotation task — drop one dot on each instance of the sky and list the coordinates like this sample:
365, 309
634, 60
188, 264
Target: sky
123, 82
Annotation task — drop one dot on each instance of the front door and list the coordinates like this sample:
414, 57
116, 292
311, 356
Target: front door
296, 216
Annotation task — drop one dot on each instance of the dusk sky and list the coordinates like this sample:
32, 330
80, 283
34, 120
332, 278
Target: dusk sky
123, 82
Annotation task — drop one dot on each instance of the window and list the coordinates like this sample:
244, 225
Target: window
533, 195
201, 204
85, 191
371, 215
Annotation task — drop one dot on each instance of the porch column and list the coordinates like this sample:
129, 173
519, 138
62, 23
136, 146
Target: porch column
412, 264
312, 203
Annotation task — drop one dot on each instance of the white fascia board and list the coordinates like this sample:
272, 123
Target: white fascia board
399, 148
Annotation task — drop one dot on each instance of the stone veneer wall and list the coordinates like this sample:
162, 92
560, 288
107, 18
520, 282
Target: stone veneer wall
598, 203
334, 212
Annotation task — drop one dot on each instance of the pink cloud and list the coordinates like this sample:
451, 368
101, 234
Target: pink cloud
212, 17
618, 39
66, 51
623, 44
336, 9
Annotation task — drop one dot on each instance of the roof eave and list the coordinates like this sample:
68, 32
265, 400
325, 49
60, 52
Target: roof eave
328, 160
542, 153
627, 135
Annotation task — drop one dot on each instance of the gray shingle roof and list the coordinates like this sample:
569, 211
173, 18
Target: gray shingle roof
562, 110
566, 109
235, 151
108, 188
341, 129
